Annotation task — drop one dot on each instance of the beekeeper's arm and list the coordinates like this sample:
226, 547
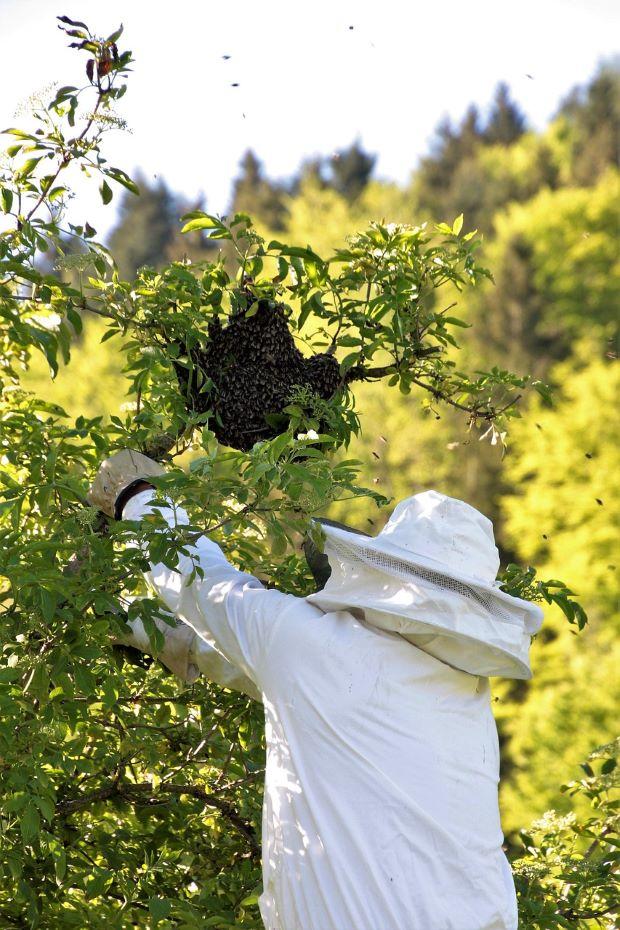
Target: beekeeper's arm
186, 654
229, 610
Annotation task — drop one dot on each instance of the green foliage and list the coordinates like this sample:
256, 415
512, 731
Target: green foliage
350, 170
147, 232
588, 120
92, 383
506, 123
565, 874
535, 313
453, 178
565, 518
126, 799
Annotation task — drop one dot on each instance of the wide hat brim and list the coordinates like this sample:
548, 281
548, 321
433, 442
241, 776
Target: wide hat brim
531, 613
468, 649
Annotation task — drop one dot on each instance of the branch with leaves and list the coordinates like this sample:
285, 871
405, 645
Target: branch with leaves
566, 873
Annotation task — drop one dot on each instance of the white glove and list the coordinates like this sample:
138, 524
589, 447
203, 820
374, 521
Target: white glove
116, 474
174, 654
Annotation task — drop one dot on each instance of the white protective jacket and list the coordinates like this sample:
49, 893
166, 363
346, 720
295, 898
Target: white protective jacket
380, 807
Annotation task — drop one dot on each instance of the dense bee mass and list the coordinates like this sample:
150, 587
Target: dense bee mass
253, 365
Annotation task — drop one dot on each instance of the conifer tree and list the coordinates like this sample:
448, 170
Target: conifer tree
255, 194
593, 112
147, 223
350, 170
506, 122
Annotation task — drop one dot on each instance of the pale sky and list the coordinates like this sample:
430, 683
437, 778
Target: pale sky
308, 83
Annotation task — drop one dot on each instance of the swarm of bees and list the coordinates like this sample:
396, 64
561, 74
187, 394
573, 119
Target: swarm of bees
246, 371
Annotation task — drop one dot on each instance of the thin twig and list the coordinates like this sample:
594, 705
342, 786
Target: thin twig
143, 793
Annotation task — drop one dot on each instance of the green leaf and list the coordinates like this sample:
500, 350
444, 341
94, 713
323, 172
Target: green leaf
56, 193
306, 310
278, 445
251, 900
6, 506
19, 133
282, 270
16, 802
75, 319
28, 167
46, 806
349, 361
221, 233
60, 862
544, 390
106, 192
65, 91
123, 179
29, 823
6, 199
38, 683
115, 36
160, 908
279, 544
455, 321
457, 225
72, 109
49, 601
72, 22
199, 220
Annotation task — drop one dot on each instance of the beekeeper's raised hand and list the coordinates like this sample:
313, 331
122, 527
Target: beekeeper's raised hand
175, 653
117, 476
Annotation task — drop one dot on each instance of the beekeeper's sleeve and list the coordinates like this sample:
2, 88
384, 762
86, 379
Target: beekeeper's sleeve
229, 610
186, 654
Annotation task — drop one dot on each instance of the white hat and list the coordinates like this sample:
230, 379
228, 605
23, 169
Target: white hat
431, 575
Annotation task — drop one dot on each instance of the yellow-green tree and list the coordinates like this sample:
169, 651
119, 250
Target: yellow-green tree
557, 276
562, 512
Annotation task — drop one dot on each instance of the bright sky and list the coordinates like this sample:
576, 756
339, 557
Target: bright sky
308, 82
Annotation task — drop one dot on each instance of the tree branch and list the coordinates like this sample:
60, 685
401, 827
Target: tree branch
143, 794
361, 373
67, 157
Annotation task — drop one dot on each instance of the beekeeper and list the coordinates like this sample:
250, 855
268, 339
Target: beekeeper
380, 806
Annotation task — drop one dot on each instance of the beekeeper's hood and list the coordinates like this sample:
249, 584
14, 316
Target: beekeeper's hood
430, 575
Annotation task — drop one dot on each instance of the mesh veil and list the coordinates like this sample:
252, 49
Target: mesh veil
400, 568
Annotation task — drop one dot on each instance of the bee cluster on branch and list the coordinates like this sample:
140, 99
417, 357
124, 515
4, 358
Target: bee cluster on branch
247, 371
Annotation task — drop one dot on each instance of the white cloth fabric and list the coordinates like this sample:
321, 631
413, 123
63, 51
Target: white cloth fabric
380, 807
465, 631
431, 575
189, 657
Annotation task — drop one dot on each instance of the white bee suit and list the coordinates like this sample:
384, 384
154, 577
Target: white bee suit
380, 806
187, 654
